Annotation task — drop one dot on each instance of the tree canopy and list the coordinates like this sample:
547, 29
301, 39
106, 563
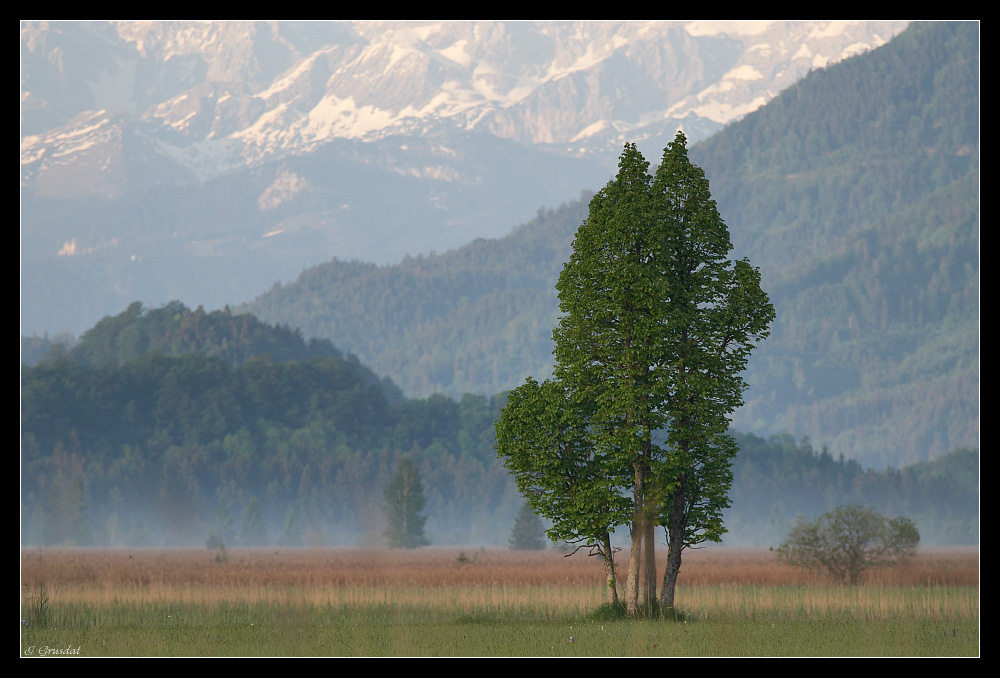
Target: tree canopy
656, 327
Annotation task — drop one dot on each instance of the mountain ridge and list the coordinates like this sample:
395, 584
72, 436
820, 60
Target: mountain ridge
267, 147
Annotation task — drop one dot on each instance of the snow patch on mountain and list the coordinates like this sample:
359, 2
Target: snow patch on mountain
854, 49
590, 130
741, 28
285, 186
830, 29
457, 52
744, 72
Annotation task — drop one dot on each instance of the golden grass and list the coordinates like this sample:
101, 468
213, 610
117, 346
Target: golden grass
720, 583
305, 567
487, 580
441, 567
930, 567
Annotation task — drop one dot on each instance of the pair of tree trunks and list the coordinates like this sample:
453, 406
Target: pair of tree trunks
644, 550
642, 558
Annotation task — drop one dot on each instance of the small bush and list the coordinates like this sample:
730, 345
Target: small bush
848, 540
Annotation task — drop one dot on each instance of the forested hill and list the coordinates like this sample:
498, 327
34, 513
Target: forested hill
477, 319
172, 450
857, 194
175, 330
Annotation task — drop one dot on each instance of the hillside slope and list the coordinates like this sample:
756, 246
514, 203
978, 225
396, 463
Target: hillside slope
856, 192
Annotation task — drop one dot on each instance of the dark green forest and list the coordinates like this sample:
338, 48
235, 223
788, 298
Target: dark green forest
855, 191
185, 444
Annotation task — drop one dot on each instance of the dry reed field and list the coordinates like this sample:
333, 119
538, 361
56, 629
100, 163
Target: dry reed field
370, 591
476, 577
442, 566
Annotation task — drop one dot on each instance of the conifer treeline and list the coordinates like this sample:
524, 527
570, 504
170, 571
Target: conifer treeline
174, 449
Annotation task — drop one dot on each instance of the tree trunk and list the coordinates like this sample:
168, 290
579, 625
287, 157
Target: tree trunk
609, 570
635, 552
632, 583
649, 564
677, 525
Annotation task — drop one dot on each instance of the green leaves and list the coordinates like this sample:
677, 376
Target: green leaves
543, 437
657, 324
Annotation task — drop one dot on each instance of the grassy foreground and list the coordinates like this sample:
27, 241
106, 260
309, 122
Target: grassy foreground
383, 603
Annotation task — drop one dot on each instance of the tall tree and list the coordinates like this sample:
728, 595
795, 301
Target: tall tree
715, 313
404, 500
656, 326
608, 344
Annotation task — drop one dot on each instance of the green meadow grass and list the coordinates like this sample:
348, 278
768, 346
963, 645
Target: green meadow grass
719, 621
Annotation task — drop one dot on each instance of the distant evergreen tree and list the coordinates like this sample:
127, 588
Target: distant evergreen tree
292, 534
222, 526
66, 518
404, 500
528, 533
252, 532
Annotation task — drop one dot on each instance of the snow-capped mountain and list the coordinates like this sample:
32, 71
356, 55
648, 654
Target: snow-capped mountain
309, 140
216, 96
